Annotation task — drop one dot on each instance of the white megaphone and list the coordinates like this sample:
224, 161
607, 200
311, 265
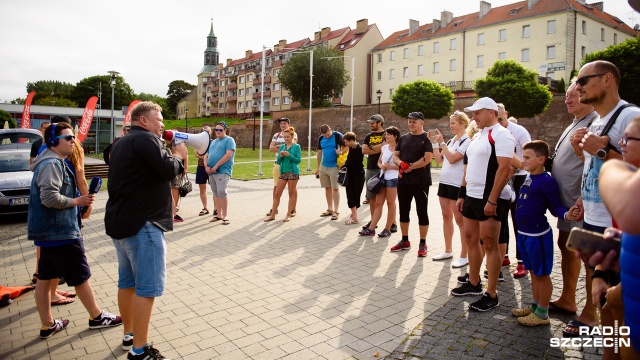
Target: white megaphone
200, 142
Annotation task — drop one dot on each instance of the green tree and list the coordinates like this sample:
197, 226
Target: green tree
428, 97
55, 101
19, 101
516, 87
50, 88
5, 116
625, 57
90, 86
562, 87
178, 89
167, 111
330, 77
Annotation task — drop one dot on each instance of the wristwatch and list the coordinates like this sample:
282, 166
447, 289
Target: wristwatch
602, 153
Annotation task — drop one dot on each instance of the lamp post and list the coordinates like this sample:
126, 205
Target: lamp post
353, 77
253, 112
186, 118
98, 119
112, 82
379, 93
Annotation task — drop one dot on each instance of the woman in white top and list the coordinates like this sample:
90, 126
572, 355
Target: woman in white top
390, 190
450, 155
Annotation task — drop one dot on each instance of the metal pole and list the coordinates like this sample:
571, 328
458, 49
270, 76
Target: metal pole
261, 108
353, 79
113, 87
310, 106
98, 118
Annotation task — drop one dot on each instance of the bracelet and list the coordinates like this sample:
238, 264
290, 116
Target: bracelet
491, 203
462, 193
443, 144
579, 156
599, 274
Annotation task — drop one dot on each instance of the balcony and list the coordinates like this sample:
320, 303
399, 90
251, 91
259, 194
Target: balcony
213, 111
231, 74
232, 98
215, 89
267, 80
232, 86
232, 111
267, 93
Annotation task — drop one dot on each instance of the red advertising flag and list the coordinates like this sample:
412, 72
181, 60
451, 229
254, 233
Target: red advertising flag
127, 118
26, 112
87, 117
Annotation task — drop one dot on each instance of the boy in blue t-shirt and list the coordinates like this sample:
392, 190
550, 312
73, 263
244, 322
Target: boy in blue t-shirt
535, 238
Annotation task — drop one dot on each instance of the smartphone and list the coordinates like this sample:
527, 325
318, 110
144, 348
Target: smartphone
432, 133
589, 242
318, 176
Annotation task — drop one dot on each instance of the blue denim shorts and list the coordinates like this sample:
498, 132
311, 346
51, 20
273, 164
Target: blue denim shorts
142, 261
391, 183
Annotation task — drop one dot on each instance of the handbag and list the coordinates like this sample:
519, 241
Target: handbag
342, 176
342, 158
185, 185
376, 183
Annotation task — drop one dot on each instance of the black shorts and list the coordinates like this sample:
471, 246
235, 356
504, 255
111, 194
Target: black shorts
474, 209
201, 175
66, 261
448, 191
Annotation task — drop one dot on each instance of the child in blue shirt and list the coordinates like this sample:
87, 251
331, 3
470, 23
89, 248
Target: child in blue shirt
535, 238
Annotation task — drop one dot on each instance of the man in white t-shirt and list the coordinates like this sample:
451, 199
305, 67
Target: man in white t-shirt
276, 141
487, 163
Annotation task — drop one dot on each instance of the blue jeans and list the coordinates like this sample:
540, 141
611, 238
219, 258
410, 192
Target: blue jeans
142, 261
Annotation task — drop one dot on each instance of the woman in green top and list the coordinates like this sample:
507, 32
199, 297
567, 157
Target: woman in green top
289, 156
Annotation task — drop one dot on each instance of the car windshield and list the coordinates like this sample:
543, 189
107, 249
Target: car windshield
22, 137
11, 161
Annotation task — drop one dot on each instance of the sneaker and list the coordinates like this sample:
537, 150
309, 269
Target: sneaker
384, 233
58, 325
485, 303
149, 354
443, 256
520, 271
460, 263
467, 289
500, 277
394, 228
177, 218
127, 342
367, 232
401, 245
506, 261
463, 279
422, 250
105, 320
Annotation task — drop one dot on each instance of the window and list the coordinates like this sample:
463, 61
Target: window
601, 34
276, 101
276, 72
392, 55
480, 61
405, 72
525, 55
420, 50
420, 69
390, 92
583, 52
481, 39
452, 65
502, 35
221, 106
436, 67
615, 38
240, 104
249, 90
221, 82
551, 52
551, 27
249, 77
221, 94
405, 53
248, 104
526, 31
380, 57
276, 87
452, 44
502, 56
584, 27
379, 75
241, 92
436, 47
285, 100
241, 79
392, 74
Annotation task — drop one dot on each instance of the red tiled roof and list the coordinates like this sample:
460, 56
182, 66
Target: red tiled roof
255, 56
347, 39
294, 45
503, 14
333, 34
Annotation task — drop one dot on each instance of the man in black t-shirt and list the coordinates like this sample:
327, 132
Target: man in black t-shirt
35, 147
371, 146
413, 156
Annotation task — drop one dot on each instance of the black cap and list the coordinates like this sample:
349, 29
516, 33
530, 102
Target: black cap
284, 119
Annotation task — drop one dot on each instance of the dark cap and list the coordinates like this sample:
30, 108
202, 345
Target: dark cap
284, 119
376, 118
417, 115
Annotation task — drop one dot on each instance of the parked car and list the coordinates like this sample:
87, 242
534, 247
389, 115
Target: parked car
15, 180
18, 138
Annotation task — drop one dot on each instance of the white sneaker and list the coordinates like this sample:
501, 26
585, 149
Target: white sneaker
443, 256
460, 263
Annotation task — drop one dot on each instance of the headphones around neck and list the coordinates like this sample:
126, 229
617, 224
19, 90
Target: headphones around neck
53, 141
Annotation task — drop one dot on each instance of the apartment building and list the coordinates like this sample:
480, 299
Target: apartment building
234, 88
548, 36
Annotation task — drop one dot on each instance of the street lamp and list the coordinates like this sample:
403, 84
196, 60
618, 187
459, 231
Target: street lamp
253, 112
112, 82
353, 77
379, 93
186, 117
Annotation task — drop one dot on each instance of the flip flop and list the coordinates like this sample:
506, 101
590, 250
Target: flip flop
66, 294
265, 220
327, 213
215, 218
63, 301
203, 212
225, 221
576, 324
559, 310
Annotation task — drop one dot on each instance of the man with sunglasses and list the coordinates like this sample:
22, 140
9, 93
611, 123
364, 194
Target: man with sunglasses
371, 146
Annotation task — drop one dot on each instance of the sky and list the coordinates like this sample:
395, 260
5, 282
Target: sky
152, 43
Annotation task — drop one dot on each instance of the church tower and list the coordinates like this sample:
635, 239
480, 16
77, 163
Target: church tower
211, 53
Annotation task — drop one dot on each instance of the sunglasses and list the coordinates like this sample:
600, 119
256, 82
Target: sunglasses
585, 79
625, 139
66, 137
219, 130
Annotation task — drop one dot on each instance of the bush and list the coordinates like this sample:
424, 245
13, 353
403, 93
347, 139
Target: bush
433, 100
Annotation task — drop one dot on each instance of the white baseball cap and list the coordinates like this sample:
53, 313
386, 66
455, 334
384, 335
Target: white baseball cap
482, 103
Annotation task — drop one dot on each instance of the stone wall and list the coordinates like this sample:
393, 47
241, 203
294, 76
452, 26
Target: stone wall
547, 126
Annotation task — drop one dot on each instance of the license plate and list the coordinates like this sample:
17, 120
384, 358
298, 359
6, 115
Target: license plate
20, 201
